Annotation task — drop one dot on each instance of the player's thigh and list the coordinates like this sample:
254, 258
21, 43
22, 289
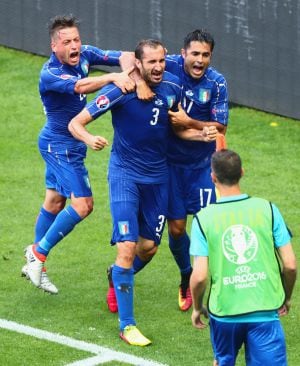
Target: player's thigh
153, 210
265, 344
124, 206
226, 339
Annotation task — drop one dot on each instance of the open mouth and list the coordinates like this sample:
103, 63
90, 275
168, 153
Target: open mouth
198, 69
157, 75
74, 56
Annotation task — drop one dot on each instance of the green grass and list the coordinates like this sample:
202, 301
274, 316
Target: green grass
78, 264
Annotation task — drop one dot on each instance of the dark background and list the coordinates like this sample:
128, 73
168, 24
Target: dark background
257, 41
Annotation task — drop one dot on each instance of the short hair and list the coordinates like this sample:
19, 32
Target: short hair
199, 35
60, 22
227, 166
139, 49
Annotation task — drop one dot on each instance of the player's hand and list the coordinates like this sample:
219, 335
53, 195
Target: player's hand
98, 143
143, 90
209, 133
196, 318
285, 308
124, 81
179, 118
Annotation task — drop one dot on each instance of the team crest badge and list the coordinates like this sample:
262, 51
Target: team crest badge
123, 227
87, 181
171, 100
85, 67
204, 95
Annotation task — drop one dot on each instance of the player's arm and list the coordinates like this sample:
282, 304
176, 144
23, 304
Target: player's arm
77, 127
93, 83
207, 134
289, 274
181, 119
197, 285
143, 91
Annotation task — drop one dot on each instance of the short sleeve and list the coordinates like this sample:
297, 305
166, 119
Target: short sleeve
198, 246
281, 233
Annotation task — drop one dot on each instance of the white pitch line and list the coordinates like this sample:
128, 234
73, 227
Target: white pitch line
103, 354
91, 361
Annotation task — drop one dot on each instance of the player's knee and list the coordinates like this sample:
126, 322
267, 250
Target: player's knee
146, 254
176, 231
126, 254
83, 207
54, 205
176, 228
88, 209
59, 206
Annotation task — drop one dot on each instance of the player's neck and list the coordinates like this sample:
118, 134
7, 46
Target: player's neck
226, 191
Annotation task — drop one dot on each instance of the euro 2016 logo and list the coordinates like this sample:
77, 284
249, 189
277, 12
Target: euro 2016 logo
239, 244
102, 102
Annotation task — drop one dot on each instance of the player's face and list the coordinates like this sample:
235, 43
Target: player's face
196, 58
152, 65
66, 44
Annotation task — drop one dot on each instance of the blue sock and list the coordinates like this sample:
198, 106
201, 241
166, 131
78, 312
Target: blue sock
123, 280
138, 264
43, 222
64, 223
180, 249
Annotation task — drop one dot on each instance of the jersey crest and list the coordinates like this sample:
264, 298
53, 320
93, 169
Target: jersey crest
123, 227
204, 95
171, 100
85, 67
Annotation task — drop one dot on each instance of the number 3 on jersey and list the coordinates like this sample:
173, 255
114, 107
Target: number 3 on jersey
154, 120
161, 224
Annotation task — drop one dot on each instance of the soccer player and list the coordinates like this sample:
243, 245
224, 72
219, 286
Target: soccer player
240, 240
63, 86
138, 173
204, 102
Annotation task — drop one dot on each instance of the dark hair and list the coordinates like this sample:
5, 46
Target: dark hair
227, 166
139, 49
60, 22
200, 35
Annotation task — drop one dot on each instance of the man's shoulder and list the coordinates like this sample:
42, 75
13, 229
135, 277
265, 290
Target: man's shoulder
171, 78
53, 68
213, 74
87, 48
175, 59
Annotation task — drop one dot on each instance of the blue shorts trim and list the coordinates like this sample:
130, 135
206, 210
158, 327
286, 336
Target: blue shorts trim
137, 210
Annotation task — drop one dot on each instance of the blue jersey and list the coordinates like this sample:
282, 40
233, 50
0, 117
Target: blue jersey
139, 149
61, 103
203, 99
